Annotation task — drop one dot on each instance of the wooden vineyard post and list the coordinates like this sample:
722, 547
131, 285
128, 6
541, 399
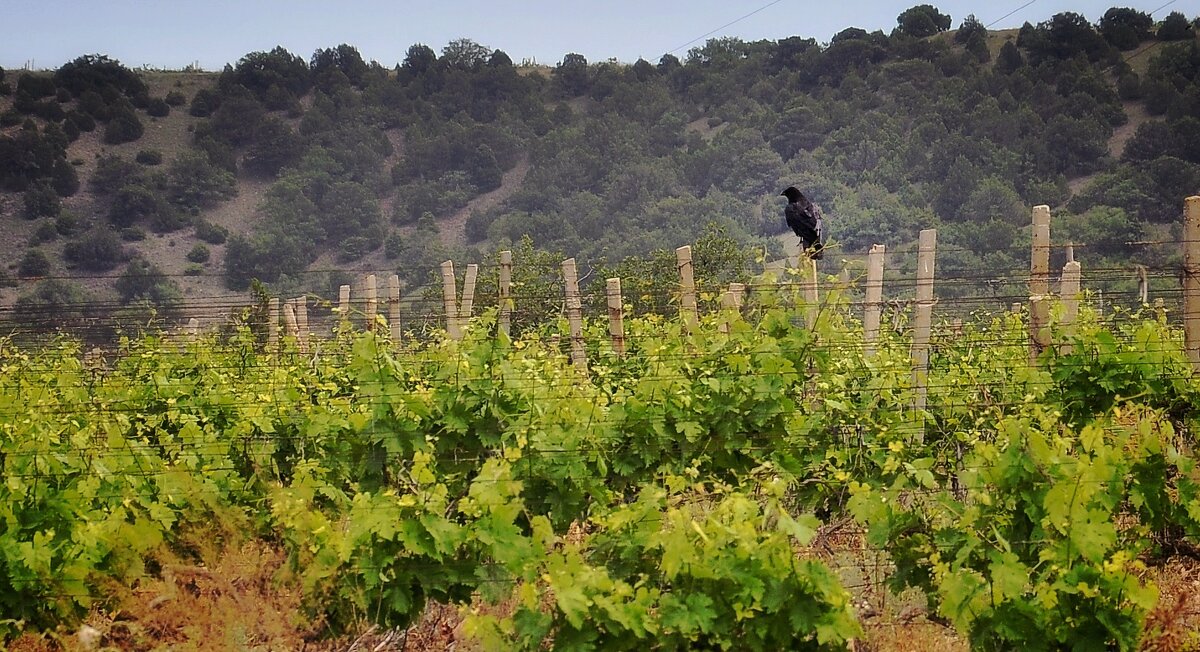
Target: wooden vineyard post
1191, 280
302, 317
458, 315
873, 306
372, 302
1072, 278
344, 302
926, 256
616, 316
467, 305
807, 268
506, 303
450, 300
291, 325
731, 302
1039, 283
1143, 285
394, 307
687, 287
273, 323
574, 314
1069, 288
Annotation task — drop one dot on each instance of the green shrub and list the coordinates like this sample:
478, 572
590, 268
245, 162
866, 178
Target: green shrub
135, 202
149, 157
193, 269
393, 246
193, 181
143, 281
33, 264
204, 102
67, 223
98, 250
52, 301
41, 201
84, 121
113, 172
199, 254
133, 234
211, 233
175, 98
123, 128
158, 108
45, 232
354, 248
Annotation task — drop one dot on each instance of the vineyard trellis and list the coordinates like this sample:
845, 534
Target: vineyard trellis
658, 498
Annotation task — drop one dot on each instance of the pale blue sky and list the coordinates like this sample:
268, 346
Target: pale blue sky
172, 33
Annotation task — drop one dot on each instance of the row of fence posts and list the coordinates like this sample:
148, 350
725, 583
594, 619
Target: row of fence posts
459, 306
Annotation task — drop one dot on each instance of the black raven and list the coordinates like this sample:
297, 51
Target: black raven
804, 218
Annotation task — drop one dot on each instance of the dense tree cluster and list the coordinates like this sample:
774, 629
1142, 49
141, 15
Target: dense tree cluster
890, 132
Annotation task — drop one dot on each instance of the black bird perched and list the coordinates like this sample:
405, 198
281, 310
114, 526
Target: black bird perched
804, 218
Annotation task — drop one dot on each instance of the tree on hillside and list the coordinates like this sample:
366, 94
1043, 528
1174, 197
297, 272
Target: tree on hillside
465, 54
1124, 28
499, 59
275, 146
572, 74
922, 21
1175, 27
194, 182
419, 59
1062, 37
124, 127
97, 72
144, 281
98, 250
259, 71
237, 118
344, 59
971, 28
348, 209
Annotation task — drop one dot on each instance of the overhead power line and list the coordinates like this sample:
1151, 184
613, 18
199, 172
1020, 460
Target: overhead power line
733, 22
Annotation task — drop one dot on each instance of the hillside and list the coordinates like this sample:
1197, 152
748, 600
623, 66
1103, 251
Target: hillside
284, 169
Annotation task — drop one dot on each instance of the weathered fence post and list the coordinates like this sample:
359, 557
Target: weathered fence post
811, 296
394, 307
1039, 283
273, 323
458, 314
1143, 285
506, 303
344, 302
574, 313
450, 300
731, 302
616, 316
1191, 280
372, 302
1069, 288
291, 326
1072, 278
687, 287
926, 257
873, 306
301, 303
467, 305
